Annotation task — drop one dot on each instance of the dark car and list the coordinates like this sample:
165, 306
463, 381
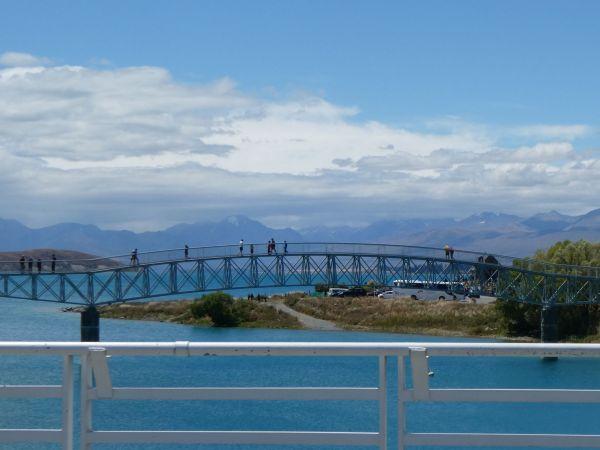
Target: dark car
353, 292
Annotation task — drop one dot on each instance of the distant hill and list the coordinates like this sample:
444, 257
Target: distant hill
66, 260
14, 236
487, 231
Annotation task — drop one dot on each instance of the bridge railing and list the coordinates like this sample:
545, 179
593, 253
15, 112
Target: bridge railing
97, 384
258, 249
292, 248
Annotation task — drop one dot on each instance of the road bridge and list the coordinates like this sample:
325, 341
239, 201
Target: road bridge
177, 272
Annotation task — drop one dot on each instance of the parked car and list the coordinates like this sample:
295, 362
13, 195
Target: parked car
335, 292
388, 295
353, 292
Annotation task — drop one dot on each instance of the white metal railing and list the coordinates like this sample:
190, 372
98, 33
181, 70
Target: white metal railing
96, 384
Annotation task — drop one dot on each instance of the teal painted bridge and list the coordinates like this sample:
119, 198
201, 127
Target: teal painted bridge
174, 272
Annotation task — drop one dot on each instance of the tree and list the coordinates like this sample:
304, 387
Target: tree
573, 320
219, 307
580, 253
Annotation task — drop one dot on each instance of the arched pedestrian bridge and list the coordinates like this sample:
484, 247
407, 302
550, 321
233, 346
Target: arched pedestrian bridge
170, 272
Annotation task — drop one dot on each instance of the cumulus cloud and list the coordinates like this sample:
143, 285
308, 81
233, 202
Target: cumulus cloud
132, 147
16, 59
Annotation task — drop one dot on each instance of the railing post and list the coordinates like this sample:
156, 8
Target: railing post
401, 409
382, 402
86, 403
67, 403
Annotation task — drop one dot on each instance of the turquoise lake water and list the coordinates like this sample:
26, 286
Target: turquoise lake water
23, 320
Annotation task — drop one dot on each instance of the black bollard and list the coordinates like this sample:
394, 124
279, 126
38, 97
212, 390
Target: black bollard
549, 328
90, 324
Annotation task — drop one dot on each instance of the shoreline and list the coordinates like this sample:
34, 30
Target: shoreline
364, 314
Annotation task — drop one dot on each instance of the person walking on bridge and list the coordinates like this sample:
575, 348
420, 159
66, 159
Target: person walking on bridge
186, 251
53, 264
241, 247
30, 264
134, 257
451, 252
39, 265
251, 249
447, 251
284, 247
22, 263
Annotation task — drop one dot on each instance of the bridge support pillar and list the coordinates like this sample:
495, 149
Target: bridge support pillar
90, 324
549, 327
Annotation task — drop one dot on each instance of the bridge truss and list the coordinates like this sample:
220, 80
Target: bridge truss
163, 274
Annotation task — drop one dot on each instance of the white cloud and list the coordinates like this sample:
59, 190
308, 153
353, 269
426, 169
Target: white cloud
16, 59
134, 147
568, 132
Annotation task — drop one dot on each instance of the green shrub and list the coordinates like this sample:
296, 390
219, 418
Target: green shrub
573, 320
219, 306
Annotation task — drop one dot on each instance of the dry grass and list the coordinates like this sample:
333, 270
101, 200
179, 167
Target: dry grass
254, 314
445, 318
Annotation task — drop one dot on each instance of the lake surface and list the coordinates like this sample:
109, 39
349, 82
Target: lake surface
26, 320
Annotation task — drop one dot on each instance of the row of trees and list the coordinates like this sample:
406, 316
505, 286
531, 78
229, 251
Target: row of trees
573, 320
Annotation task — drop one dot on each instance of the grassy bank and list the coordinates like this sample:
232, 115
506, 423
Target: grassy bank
252, 314
443, 318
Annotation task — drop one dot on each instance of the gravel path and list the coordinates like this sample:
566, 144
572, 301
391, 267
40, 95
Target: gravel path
307, 321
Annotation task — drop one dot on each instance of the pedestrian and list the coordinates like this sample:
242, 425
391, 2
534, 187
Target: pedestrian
451, 253
447, 251
134, 257
186, 251
273, 246
269, 247
39, 265
251, 249
241, 247
53, 264
30, 264
285, 247
22, 263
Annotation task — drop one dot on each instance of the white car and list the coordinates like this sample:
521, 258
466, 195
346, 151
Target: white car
334, 292
388, 295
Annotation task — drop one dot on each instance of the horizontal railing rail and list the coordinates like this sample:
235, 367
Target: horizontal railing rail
300, 248
97, 384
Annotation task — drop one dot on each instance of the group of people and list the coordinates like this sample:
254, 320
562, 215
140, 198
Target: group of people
271, 247
271, 250
449, 252
26, 264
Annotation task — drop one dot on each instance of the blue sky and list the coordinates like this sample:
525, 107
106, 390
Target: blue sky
471, 77
502, 62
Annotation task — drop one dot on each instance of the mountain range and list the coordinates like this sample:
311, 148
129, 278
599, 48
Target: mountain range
488, 232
